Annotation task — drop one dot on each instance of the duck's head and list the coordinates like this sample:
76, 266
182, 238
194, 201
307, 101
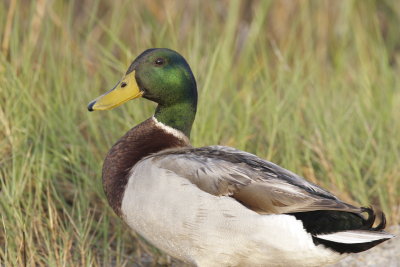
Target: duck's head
160, 75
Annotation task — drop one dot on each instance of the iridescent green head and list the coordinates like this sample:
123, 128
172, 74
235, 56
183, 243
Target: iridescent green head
160, 75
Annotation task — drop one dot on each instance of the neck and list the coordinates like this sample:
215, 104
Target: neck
179, 116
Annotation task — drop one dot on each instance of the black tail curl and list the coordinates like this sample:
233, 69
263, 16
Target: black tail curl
369, 222
331, 221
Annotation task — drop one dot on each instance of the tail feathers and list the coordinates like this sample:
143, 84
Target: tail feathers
369, 222
353, 241
355, 236
357, 240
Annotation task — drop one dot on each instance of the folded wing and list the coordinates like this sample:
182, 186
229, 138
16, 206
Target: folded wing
258, 184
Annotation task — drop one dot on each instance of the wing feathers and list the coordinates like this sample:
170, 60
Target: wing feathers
279, 198
258, 184
269, 189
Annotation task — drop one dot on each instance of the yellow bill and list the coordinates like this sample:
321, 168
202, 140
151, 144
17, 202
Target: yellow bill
125, 90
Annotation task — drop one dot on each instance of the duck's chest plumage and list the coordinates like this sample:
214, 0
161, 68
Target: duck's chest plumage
141, 141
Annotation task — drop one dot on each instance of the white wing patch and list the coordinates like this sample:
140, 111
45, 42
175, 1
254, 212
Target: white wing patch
355, 237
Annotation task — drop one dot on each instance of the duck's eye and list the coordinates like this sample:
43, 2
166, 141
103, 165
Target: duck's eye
123, 84
159, 61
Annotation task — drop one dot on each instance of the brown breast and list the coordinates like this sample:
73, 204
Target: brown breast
139, 142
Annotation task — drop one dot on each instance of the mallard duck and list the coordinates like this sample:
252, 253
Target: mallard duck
216, 205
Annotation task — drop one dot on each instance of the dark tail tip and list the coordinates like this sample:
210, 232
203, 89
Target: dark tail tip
369, 222
382, 224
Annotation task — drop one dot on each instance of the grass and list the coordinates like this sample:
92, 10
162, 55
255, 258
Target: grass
310, 85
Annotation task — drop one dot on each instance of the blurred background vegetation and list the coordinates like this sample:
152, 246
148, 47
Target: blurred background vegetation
310, 85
